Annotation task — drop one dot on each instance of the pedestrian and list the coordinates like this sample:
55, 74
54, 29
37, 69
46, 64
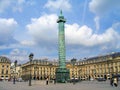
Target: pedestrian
54, 81
115, 82
46, 81
111, 81
74, 81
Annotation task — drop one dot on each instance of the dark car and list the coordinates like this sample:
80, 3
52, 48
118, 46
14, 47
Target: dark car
73, 80
101, 79
1, 79
117, 75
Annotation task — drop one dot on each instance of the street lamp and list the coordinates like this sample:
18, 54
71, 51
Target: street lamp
15, 64
73, 61
30, 58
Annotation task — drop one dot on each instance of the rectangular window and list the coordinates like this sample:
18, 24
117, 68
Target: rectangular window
2, 71
6, 71
7, 66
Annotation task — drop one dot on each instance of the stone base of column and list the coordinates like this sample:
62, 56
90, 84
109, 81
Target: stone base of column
62, 75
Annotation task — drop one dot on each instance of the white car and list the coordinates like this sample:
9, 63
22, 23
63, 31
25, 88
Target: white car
20, 80
91, 79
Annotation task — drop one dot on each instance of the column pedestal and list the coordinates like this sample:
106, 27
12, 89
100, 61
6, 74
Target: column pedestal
62, 75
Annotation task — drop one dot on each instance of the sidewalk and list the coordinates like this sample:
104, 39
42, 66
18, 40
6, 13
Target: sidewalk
41, 85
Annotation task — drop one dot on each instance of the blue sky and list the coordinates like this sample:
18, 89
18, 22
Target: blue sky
92, 28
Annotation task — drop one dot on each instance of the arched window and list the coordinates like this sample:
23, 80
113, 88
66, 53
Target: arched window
7, 66
3, 66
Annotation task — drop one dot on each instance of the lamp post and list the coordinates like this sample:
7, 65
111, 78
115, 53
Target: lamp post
30, 58
73, 63
15, 64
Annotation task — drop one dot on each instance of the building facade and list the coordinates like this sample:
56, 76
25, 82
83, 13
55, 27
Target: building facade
98, 67
16, 71
95, 67
40, 69
4, 68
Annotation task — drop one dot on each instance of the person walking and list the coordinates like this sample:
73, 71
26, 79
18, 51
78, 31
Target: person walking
46, 81
54, 80
111, 81
115, 82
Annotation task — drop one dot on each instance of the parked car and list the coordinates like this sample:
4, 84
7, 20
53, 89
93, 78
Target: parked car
1, 79
91, 79
73, 80
116, 76
101, 79
19, 79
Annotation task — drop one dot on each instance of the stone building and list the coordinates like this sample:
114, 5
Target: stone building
103, 66
40, 69
4, 68
15, 71
98, 67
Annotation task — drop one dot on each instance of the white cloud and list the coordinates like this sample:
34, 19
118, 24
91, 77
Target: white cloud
14, 5
7, 28
58, 4
15, 52
103, 6
84, 36
28, 43
19, 54
44, 29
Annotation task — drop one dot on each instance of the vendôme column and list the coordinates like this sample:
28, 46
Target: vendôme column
61, 41
62, 73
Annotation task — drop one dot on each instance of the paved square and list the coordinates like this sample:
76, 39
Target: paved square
41, 85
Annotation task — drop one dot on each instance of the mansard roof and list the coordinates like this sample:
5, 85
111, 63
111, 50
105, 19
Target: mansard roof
4, 59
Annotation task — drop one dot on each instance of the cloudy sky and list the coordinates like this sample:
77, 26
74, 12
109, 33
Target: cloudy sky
92, 28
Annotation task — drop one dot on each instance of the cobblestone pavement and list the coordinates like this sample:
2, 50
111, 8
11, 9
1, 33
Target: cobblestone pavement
41, 85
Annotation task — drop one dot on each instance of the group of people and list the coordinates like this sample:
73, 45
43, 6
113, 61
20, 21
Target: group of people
114, 81
47, 81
